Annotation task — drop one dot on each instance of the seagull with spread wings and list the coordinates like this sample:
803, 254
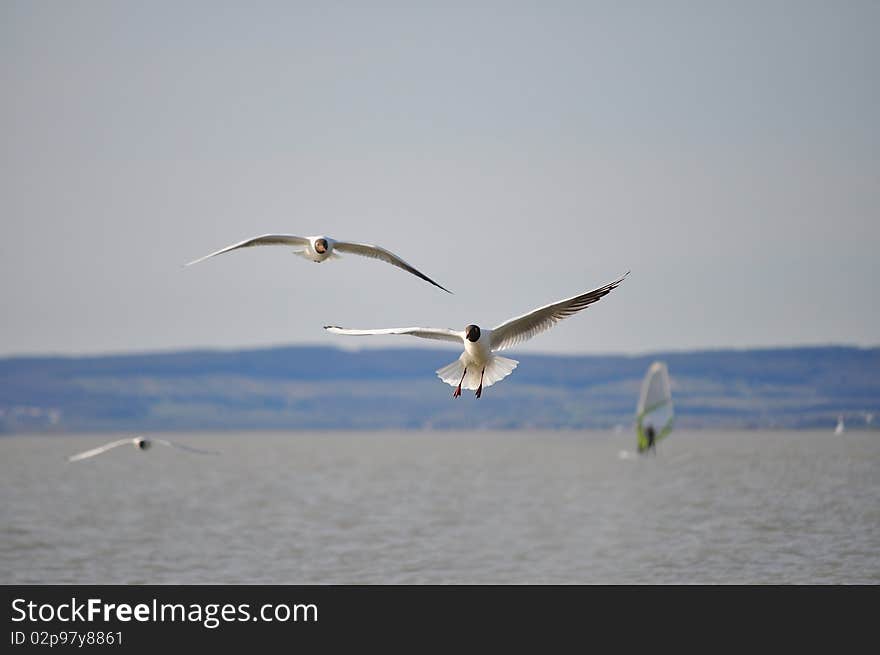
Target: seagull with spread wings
139, 443
321, 248
479, 366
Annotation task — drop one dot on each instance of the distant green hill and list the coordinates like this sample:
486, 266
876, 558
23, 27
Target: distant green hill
325, 388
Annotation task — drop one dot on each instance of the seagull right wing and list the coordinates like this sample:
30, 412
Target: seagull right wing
440, 334
180, 446
99, 450
524, 327
375, 252
264, 240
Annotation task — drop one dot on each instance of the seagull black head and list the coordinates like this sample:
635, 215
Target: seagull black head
321, 246
143, 444
472, 332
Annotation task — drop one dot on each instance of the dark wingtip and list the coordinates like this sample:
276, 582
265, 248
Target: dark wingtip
439, 286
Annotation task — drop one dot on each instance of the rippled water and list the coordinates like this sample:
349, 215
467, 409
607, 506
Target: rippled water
437, 507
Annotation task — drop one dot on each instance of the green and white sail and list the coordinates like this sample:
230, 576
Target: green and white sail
655, 406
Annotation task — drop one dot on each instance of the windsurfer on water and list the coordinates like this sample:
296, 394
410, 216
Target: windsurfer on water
649, 433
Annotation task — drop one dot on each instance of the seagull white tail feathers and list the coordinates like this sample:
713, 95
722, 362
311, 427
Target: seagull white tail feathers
497, 369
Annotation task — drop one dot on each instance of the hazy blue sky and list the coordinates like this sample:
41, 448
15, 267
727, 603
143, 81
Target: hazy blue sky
518, 153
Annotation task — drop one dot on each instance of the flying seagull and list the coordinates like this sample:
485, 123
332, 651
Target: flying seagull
320, 248
138, 442
479, 366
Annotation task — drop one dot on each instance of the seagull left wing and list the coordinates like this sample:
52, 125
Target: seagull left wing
441, 334
376, 252
524, 327
98, 450
180, 446
263, 240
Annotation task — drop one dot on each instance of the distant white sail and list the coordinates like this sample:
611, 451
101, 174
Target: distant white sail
655, 413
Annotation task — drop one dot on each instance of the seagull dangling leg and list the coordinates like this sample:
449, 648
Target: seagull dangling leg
457, 392
480, 388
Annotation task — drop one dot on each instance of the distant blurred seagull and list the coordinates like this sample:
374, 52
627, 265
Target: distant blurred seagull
319, 248
478, 366
138, 442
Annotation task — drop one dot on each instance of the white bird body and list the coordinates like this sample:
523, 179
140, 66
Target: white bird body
311, 250
320, 248
477, 352
479, 366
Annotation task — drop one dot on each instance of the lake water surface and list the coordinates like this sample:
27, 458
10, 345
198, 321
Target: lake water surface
444, 507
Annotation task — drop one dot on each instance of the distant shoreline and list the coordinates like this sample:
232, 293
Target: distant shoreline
306, 388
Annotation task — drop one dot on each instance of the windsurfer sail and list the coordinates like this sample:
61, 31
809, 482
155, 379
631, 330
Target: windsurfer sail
654, 414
